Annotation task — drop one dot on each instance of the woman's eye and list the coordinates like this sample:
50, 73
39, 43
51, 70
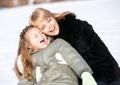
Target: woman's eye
42, 27
49, 19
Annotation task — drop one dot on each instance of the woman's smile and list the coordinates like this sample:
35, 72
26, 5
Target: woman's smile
53, 29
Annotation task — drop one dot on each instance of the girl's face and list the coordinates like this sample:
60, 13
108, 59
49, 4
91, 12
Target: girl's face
48, 26
36, 40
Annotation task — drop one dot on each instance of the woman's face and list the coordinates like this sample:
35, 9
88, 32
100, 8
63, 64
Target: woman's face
36, 40
48, 26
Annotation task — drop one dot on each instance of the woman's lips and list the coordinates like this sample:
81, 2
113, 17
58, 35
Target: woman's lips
52, 29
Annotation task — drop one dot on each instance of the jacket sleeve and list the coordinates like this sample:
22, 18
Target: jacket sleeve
72, 57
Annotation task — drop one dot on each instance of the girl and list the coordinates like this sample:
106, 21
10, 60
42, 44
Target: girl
83, 38
35, 50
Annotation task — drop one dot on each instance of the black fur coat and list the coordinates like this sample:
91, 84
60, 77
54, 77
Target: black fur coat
83, 38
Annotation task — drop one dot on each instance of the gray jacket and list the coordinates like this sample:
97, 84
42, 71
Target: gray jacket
54, 73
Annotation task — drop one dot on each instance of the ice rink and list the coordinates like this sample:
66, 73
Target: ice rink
104, 15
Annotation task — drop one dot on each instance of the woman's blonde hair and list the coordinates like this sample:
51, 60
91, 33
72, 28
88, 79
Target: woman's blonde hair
25, 56
40, 13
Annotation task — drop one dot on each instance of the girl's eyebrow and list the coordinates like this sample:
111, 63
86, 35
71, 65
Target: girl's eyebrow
40, 32
35, 33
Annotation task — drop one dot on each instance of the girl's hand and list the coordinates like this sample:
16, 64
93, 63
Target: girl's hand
87, 79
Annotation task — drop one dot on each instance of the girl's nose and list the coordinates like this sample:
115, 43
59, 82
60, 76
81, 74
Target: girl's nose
40, 35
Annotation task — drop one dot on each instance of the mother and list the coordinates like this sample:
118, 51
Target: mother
83, 38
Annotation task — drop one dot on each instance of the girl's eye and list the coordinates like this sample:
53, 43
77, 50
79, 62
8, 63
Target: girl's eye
35, 36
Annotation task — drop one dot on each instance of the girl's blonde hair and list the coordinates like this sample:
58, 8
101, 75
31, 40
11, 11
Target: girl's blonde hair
25, 56
40, 13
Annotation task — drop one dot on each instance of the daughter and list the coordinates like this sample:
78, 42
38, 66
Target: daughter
35, 50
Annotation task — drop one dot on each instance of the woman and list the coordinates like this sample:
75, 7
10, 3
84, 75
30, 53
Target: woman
35, 51
83, 38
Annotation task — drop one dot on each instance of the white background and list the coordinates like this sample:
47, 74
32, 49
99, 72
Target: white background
104, 15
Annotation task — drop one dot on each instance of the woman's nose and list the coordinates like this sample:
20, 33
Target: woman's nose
49, 26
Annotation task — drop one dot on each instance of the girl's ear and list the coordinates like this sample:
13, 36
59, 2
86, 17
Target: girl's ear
30, 50
19, 64
28, 47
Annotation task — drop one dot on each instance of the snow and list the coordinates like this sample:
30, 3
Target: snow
104, 15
